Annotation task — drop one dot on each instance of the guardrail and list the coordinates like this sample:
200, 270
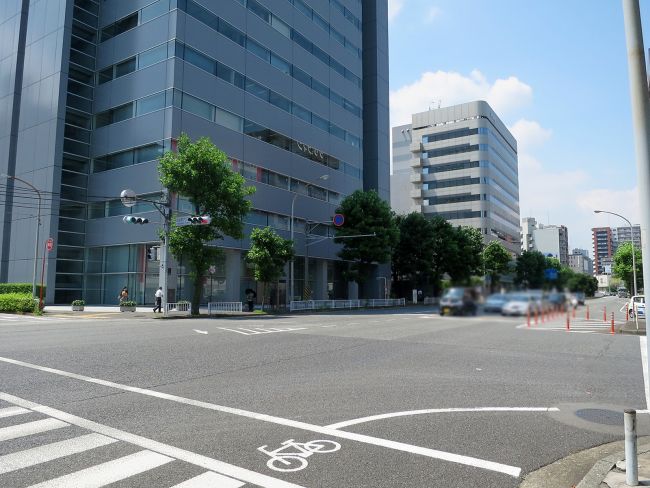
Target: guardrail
214, 307
297, 305
386, 302
184, 307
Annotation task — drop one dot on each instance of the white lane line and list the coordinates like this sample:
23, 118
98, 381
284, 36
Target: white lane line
200, 331
432, 453
233, 330
210, 480
42, 454
644, 365
109, 472
362, 420
11, 411
30, 428
155, 446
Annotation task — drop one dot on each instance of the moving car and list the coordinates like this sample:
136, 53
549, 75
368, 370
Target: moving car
495, 302
520, 304
580, 296
458, 301
637, 305
557, 300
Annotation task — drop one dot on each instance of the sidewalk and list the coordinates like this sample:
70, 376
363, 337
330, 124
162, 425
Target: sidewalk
630, 327
610, 471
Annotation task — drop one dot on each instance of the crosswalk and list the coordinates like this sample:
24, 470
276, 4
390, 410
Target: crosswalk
261, 330
8, 317
576, 326
24, 420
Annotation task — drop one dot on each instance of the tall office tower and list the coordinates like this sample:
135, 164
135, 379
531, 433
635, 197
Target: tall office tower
93, 93
460, 163
603, 248
528, 226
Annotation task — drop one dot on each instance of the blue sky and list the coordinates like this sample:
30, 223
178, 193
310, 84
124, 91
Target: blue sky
555, 71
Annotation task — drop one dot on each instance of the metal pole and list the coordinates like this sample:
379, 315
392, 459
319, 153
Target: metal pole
164, 251
631, 460
306, 277
293, 246
640, 120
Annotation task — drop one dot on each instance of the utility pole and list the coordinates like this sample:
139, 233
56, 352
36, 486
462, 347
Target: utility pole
166, 212
640, 121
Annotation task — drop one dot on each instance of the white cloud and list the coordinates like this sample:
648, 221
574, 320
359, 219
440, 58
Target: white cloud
504, 95
624, 202
432, 14
529, 134
394, 8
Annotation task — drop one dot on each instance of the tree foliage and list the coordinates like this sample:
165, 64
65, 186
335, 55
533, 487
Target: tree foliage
496, 260
622, 266
202, 173
413, 258
466, 259
268, 254
366, 213
529, 271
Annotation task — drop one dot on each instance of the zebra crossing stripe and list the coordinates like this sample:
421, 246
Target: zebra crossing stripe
109, 472
11, 411
42, 454
30, 428
210, 480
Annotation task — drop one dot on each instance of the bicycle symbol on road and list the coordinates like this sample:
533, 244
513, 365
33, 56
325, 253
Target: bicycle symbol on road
292, 456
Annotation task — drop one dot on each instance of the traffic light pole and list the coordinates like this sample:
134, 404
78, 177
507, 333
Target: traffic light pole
166, 212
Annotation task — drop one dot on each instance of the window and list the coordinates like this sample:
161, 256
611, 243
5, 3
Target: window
281, 64
152, 56
258, 50
280, 26
320, 122
148, 153
258, 10
125, 67
122, 25
280, 101
230, 76
337, 132
154, 10
200, 60
150, 104
301, 113
105, 75
229, 31
197, 107
122, 113
229, 120
257, 90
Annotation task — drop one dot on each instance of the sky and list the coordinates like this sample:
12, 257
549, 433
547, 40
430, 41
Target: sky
555, 71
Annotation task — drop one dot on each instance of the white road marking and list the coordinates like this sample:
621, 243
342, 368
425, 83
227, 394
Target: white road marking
260, 330
200, 331
210, 480
644, 365
108, 472
155, 446
432, 453
30, 428
48, 452
11, 411
362, 420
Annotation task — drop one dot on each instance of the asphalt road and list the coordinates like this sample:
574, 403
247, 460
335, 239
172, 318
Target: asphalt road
477, 401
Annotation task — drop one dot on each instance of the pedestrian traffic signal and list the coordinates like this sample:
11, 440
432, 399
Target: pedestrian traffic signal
152, 253
131, 219
199, 219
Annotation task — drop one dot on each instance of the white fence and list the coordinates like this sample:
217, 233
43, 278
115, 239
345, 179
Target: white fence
214, 307
295, 306
185, 307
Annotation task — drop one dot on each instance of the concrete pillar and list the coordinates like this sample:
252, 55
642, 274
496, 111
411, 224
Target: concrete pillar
353, 290
233, 275
320, 287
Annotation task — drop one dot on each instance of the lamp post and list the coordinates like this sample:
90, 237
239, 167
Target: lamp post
631, 241
291, 227
38, 226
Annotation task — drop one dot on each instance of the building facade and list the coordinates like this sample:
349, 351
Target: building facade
580, 262
93, 93
552, 240
603, 243
621, 235
459, 163
528, 226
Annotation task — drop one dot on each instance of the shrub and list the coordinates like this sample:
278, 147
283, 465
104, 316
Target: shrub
128, 303
78, 303
18, 302
20, 288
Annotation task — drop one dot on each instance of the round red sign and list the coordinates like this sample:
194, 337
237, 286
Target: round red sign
49, 244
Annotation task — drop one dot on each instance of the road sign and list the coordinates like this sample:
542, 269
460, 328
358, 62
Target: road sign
550, 274
338, 220
49, 244
212, 269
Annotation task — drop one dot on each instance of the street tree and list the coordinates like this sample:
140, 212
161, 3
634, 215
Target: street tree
622, 266
583, 283
202, 173
529, 270
366, 214
466, 255
268, 254
496, 259
413, 257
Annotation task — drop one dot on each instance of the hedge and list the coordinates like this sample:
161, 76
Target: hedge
18, 302
20, 288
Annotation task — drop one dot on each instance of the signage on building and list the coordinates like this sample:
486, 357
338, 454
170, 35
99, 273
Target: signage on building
312, 151
49, 244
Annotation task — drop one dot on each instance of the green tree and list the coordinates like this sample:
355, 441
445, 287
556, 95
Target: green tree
202, 173
445, 250
496, 260
584, 283
268, 254
529, 270
366, 213
622, 266
413, 256
465, 257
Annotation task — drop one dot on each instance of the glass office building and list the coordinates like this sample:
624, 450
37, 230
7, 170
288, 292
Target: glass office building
93, 92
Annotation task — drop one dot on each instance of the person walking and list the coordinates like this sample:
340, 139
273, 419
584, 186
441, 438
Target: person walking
123, 296
159, 295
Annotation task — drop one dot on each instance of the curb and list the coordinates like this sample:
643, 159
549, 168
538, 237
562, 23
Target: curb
601, 469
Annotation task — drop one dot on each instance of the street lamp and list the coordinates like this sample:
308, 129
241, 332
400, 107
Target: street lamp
631, 240
291, 224
38, 226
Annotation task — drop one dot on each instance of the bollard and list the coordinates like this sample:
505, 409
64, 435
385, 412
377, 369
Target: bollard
604, 314
528, 317
574, 312
587, 312
627, 312
536, 316
631, 461
568, 322
612, 330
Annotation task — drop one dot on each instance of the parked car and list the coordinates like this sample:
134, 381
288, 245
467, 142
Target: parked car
580, 296
557, 300
622, 294
637, 306
458, 301
495, 302
520, 304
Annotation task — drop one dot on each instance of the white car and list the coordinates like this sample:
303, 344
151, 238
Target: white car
519, 304
637, 305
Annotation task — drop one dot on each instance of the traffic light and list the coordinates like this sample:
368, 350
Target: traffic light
199, 219
132, 219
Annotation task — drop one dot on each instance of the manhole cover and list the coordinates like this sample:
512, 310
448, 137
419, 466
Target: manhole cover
601, 416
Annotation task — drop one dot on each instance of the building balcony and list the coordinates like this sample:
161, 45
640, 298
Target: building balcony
416, 147
417, 194
415, 177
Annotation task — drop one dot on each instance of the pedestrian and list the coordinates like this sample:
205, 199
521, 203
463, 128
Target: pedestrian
123, 296
159, 295
250, 299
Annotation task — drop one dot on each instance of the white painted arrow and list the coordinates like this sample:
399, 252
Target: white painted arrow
200, 331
